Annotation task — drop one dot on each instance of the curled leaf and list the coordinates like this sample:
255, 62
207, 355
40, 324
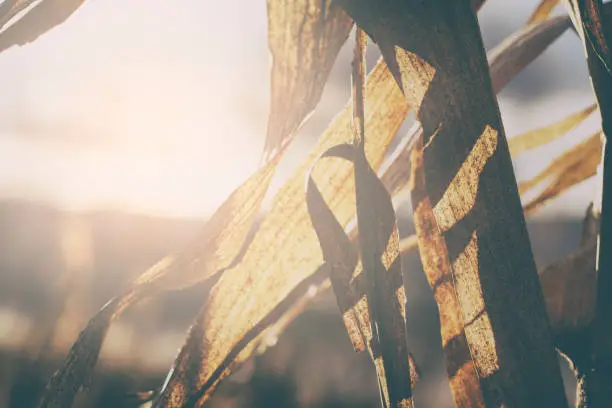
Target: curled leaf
376, 319
304, 37
283, 254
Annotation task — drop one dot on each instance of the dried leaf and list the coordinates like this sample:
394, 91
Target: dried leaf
518, 50
220, 242
304, 37
384, 292
341, 259
572, 167
284, 253
381, 323
506, 60
569, 288
471, 187
539, 137
543, 11
41, 18
568, 285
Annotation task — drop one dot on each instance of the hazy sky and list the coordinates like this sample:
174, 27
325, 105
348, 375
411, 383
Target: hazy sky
160, 106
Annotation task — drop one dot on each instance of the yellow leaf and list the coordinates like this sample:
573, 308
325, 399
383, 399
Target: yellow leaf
572, 167
506, 60
539, 137
284, 253
543, 11
304, 37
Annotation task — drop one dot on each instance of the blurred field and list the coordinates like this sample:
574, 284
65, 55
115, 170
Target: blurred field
59, 267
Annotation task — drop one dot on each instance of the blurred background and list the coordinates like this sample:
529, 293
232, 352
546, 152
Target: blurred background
122, 129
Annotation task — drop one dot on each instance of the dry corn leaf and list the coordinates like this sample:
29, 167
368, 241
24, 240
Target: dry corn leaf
506, 60
381, 324
572, 167
543, 11
318, 42
508, 56
568, 285
285, 251
304, 37
341, 258
37, 21
539, 137
523, 47
379, 243
471, 187
376, 320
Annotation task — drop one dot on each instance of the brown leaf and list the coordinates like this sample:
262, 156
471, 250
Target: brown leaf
41, 18
569, 288
217, 247
376, 320
517, 51
539, 137
341, 260
284, 253
304, 37
471, 187
568, 285
572, 167
506, 60
543, 11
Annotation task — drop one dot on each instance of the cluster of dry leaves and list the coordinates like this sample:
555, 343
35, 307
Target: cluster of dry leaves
339, 230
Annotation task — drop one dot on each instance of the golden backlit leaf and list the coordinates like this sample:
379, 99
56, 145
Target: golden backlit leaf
572, 167
37, 21
543, 11
539, 137
285, 251
217, 247
304, 37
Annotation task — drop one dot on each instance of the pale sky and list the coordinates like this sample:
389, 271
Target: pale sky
160, 107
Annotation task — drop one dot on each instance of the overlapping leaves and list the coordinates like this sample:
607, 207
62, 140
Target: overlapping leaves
225, 232
39, 19
258, 297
